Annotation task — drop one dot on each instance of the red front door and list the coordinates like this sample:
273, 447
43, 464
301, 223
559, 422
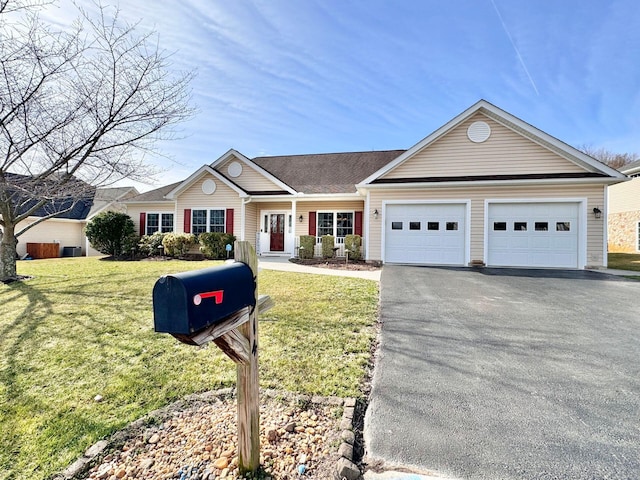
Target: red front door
277, 233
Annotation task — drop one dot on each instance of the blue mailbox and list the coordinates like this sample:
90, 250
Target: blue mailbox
188, 302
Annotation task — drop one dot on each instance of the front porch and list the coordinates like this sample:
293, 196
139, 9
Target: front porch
317, 251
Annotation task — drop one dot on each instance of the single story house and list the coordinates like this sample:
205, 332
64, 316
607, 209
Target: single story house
486, 188
67, 229
624, 212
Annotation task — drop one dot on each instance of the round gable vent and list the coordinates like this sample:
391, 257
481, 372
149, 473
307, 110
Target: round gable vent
234, 169
208, 186
478, 132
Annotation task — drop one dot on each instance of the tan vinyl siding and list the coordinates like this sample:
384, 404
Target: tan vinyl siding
249, 180
505, 152
68, 233
625, 197
224, 197
477, 195
251, 223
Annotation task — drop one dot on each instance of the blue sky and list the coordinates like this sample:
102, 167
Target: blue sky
279, 77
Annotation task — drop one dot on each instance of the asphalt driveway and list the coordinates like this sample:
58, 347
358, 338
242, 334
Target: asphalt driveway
507, 374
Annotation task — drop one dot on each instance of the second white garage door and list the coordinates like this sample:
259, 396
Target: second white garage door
431, 234
533, 234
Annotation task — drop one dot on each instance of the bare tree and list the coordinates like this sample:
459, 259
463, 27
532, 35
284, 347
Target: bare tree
612, 159
78, 109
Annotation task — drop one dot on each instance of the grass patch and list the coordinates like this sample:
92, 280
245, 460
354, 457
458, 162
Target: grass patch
83, 327
624, 261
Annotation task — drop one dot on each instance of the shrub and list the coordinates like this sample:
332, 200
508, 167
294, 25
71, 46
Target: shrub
149, 244
213, 245
112, 233
307, 246
178, 244
352, 243
328, 243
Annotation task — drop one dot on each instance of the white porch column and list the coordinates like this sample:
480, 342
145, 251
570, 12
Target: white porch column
294, 221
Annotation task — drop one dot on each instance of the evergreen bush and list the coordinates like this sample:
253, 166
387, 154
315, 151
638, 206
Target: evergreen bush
328, 242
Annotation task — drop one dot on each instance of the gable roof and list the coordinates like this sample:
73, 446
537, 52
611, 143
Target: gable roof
564, 150
105, 197
156, 195
197, 174
78, 202
232, 153
326, 172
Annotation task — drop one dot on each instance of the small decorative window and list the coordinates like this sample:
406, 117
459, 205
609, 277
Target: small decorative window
433, 225
542, 226
500, 226
414, 225
396, 225
520, 226
452, 226
563, 226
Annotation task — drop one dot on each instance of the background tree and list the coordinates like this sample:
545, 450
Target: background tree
612, 159
78, 109
112, 233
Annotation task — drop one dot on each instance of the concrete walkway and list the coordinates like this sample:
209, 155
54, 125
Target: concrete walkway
620, 273
283, 264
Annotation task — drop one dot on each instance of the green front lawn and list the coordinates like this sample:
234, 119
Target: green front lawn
624, 261
83, 327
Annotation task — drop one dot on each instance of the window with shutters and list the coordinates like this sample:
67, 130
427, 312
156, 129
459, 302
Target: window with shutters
338, 224
203, 220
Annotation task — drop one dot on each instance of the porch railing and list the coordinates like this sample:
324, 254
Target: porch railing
317, 250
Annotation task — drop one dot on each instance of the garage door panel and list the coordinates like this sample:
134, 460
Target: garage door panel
533, 234
429, 242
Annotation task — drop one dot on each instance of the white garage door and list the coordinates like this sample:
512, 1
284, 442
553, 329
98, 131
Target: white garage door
533, 235
425, 234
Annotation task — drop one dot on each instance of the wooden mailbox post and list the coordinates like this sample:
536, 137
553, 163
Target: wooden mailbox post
237, 336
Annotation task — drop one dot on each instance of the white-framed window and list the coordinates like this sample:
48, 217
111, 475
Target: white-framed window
158, 222
338, 224
207, 220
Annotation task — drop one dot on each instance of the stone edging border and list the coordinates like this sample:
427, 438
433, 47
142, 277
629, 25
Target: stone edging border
345, 468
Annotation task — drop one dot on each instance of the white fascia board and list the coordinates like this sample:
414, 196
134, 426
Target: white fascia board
505, 119
630, 171
197, 174
134, 202
32, 219
301, 197
247, 161
483, 183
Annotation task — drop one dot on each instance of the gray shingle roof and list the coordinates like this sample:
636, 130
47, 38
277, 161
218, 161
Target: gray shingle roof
156, 195
326, 172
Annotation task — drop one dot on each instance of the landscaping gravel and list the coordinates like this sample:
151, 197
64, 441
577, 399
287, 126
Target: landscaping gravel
197, 440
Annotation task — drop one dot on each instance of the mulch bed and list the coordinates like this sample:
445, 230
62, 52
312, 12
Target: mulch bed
336, 263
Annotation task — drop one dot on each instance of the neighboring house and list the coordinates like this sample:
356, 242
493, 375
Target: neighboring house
484, 189
624, 212
67, 229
